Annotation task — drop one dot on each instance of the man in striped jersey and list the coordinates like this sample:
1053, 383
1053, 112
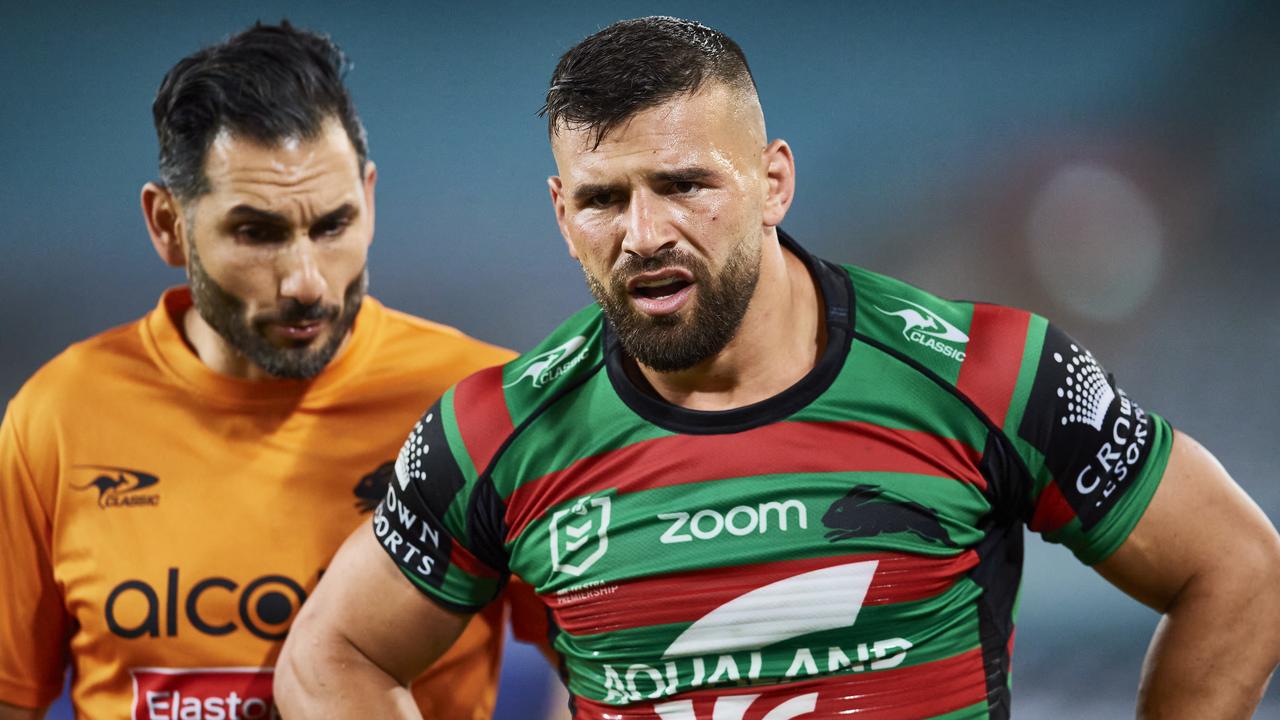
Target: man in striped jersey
752, 483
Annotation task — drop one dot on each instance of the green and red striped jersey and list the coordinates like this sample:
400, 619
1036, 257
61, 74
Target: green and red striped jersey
853, 545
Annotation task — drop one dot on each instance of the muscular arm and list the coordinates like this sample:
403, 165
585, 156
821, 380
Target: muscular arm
13, 712
1206, 557
360, 638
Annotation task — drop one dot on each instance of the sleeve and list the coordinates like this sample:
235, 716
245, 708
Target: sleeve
33, 623
1093, 455
439, 521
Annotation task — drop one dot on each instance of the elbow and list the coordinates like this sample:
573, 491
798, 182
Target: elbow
289, 683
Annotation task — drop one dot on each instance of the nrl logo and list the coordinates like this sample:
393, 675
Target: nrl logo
547, 366
925, 327
585, 524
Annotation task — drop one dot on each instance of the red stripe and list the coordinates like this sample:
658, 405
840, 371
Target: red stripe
792, 447
687, 596
462, 558
1052, 511
993, 358
901, 693
482, 416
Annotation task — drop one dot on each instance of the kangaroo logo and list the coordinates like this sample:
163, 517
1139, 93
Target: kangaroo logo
864, 512
114, 484
547, 366
919, 318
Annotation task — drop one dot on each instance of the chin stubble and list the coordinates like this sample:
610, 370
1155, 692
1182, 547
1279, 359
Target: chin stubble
671, 343
225, 313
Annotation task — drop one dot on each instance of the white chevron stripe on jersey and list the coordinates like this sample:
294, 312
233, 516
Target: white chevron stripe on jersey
819, 600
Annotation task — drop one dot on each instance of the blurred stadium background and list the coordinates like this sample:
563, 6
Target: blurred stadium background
1115, 166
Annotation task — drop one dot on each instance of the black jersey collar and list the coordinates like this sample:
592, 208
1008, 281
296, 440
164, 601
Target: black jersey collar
837, 295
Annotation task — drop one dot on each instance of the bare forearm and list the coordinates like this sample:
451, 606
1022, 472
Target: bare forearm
1213, 652
333, 679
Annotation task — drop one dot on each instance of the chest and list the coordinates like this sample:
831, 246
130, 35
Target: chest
203, 534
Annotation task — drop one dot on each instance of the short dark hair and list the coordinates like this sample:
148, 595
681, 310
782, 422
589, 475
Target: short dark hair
633, 65
267, 83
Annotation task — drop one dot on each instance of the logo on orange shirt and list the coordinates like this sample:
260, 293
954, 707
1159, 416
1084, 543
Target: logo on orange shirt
118, 487
205, 693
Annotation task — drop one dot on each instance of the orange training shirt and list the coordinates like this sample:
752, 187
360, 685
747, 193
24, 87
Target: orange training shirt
162, 523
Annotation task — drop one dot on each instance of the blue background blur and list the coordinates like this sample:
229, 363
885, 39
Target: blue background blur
1111, 165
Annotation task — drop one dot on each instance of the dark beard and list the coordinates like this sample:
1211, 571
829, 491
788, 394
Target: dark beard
671, 343
225, 313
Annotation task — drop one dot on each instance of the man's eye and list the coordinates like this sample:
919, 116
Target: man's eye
602, 200
684, 187
332, 228
257, 233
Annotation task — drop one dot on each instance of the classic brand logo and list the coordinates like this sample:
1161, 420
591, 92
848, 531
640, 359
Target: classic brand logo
119, 486
205, 693
547, 366
583, 525
925, 327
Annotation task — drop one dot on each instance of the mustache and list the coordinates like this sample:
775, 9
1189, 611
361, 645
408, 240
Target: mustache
292, 312
633, 265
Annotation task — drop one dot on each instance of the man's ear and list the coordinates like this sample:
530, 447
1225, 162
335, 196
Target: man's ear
780, 178
370, 180
558, 203
164, 224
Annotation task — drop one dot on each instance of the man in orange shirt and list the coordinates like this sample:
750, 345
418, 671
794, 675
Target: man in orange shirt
172, 489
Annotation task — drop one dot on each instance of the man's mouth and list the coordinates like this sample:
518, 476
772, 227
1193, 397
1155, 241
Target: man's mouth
663, 292
299, 332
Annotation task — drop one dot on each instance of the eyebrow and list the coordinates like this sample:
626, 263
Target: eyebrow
590, 190
689, 174
242, 212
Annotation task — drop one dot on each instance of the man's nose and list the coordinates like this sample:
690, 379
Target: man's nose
648, 226
301, 279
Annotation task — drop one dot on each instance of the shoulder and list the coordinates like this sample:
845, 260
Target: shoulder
977, 348
70, 387
83, 367
490, 405
414, 338
523, 384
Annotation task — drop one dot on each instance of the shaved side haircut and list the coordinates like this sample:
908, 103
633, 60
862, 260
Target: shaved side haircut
633, 65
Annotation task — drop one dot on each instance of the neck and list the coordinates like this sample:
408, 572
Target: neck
778, 342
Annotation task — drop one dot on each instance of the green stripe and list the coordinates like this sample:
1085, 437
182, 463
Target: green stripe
592, 422
745, 521
976, 711
458, 588
1026, 374
882, 390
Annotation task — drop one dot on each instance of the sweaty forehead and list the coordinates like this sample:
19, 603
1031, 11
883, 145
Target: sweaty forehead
314, 171
717, 122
